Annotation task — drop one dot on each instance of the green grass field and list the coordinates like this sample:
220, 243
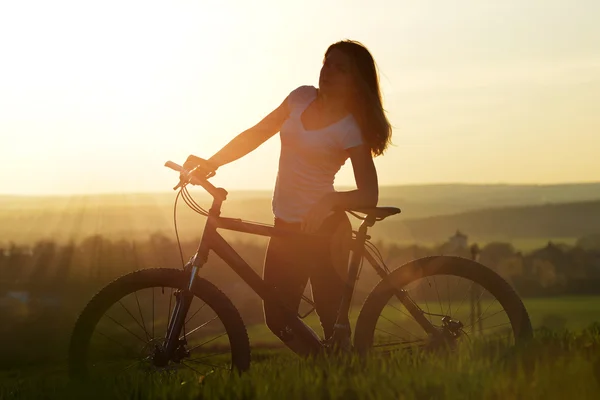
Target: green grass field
556, 313
558, 364
553, 366
524, 245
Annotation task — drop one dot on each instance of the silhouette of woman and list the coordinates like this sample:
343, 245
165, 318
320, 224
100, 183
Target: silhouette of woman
320, 128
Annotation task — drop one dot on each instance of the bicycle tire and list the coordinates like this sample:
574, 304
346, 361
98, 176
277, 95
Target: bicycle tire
434, 266
156, 278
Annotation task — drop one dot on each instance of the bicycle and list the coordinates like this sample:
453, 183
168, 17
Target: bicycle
225, 344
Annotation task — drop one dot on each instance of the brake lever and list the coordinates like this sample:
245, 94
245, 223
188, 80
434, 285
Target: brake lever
182, 181
180, 184
184, 177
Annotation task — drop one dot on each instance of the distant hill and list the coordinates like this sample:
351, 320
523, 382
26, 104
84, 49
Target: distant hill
494, 195
429, 213
568, 220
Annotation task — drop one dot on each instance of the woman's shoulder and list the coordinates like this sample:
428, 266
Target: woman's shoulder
303, 94
351, 133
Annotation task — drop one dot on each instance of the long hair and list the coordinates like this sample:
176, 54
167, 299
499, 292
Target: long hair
367, 108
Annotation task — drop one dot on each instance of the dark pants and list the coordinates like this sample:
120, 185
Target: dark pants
291, 261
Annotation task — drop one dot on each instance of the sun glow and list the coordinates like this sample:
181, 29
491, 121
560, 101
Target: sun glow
96, 96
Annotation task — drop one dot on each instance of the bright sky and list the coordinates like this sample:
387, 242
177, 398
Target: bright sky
96, 95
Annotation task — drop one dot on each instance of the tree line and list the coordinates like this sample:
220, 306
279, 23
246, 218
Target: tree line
69, 274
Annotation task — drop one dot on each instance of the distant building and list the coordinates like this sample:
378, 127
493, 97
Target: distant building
457, 245
458, 242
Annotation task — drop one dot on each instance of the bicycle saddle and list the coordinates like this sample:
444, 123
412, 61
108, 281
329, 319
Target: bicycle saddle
378, 212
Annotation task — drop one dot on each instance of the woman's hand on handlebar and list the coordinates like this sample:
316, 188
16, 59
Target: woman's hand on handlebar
199, 167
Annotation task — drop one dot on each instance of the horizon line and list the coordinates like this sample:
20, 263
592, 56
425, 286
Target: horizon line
113, 193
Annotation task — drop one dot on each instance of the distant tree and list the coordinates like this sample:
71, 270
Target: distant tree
43, 254
492, 254
511, 267
64, 263
17, 262
546, 273
589, 242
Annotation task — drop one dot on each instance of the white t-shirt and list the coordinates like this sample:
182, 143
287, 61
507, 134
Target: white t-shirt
309, 159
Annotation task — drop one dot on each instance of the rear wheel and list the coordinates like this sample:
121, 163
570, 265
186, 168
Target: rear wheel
465, 302
123, 328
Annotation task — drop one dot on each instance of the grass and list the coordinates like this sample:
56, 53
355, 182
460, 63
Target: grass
526, 244
523, 244
556, 365
565, 312
556, 313
562, 362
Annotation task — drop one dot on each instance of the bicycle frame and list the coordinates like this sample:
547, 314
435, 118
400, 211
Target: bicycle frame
213, 241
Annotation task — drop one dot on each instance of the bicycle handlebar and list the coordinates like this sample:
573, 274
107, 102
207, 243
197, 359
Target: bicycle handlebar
185, 177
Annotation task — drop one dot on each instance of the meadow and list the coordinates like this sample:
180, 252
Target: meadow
563, 360
553, 366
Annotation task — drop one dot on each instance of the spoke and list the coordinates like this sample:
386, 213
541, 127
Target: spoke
391, 334
464, 298
402, 312
209, 364
488, 307
192, 368
425, 297
170, 299
122, 326
199, 327
128, 348
131, 365
455, 290
395, 324
209, 355
477, 302
142, 316
438, 295
208, 341
410, 316
152, 312
396, 343
495, 326
194, 314
480, 294
489, 316
108, 365
448, 293
416, 287
131, 315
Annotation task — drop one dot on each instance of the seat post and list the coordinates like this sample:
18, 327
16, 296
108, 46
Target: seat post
358, 248
357, 254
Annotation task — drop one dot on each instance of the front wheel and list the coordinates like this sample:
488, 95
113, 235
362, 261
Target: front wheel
462, 299
123, 328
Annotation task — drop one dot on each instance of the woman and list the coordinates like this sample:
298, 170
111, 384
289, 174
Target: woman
320, 129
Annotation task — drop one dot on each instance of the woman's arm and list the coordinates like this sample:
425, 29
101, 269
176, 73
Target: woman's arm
365, 196
243, 143
251, 138
365, 174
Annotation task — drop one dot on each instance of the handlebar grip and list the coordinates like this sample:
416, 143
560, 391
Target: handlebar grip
174, 166
179, 168
217, 193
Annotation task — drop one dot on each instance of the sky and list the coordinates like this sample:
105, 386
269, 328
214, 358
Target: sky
95, 96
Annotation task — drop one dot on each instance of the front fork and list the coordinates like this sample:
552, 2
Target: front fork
183, 301
184, 297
